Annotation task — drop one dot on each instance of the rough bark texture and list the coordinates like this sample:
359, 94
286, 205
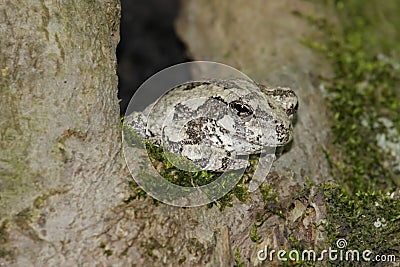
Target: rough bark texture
60, 134
63, 180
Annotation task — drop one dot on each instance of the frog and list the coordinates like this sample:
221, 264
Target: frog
217, 124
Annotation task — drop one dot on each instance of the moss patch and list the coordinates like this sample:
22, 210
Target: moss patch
366, 220
271, 201
363, 96
238, 259
4, 240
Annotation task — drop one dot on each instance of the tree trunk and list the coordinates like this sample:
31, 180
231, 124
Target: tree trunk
60, 135
63, 179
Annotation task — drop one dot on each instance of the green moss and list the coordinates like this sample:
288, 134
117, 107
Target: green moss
367, 220
40, 200
305, 192
271, 200
377, 20
241, 192
253, 234
3, 239
363, 90
362, 95
182, 260
173, 174
108, 252
238, 259
272, 205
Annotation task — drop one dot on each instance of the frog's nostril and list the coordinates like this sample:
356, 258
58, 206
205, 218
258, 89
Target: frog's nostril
290, 111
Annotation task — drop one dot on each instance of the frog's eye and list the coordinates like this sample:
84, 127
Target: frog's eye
241, 109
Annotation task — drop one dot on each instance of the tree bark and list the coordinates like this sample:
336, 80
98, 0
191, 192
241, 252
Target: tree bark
60, 135
63, 178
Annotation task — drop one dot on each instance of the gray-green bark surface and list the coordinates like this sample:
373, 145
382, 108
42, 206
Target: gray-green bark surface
60, 134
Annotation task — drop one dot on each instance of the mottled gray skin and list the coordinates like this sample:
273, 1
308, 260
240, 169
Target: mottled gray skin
215, 123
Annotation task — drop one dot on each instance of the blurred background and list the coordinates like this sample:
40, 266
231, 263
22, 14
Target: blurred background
148, 43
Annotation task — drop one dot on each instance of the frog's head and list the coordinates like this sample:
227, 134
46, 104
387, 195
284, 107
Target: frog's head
259, 116
282, 106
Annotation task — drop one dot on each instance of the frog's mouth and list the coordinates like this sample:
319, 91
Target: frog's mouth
246, 144
247, 148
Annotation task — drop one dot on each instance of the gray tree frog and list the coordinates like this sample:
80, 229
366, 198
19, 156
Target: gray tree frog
216, 124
